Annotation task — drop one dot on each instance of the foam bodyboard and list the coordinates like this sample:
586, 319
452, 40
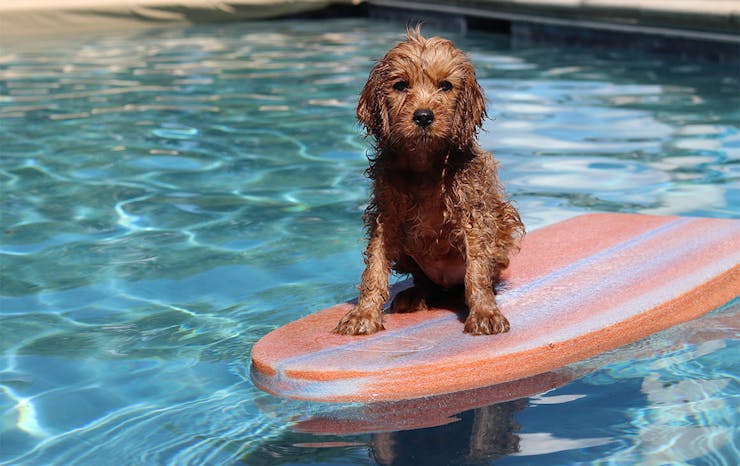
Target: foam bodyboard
574, 290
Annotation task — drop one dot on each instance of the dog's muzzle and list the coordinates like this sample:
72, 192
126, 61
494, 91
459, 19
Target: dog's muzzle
423, 117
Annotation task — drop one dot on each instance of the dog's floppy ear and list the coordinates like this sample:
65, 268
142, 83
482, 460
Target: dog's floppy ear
471, 109
371, 108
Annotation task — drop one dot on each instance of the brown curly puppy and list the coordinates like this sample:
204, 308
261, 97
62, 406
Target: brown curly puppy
438, 210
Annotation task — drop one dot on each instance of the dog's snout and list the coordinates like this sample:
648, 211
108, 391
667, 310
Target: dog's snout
423, 117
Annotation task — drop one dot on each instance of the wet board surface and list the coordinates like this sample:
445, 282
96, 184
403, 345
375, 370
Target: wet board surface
575, 289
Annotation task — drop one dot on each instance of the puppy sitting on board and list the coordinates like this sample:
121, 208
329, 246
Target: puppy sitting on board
438, 210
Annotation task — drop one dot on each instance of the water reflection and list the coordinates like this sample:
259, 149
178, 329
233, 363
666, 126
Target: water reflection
423, 432
471, 437
478, 435
466, 427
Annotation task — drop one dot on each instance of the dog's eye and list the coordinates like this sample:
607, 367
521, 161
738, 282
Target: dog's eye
401, 85
445, 86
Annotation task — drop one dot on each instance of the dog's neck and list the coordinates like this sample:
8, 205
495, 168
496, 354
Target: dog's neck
417, 157
416, 171
429, 166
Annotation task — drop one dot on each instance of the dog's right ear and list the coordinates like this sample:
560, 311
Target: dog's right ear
471, 108
371, 108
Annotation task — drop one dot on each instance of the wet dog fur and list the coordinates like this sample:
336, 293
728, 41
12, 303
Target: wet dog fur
437, 210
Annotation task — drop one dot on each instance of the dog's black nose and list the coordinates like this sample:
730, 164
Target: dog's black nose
423, 117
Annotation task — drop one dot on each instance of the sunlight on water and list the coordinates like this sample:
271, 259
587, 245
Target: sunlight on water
170, 196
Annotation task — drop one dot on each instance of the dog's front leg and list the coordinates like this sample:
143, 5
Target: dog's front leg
484, 318
366, 317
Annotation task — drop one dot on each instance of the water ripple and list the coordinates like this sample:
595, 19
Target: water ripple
169, 196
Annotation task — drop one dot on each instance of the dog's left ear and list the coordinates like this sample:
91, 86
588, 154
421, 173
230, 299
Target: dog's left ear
471, 109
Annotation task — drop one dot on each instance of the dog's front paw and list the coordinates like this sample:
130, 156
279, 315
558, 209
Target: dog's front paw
356, 322
486, 323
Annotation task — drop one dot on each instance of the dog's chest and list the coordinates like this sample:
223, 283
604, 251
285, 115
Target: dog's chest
425, 218
429, 238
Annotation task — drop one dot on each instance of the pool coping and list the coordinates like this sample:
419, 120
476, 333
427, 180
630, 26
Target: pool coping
24, 18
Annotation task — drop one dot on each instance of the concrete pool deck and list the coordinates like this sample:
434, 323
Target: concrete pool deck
49, 17
708, 19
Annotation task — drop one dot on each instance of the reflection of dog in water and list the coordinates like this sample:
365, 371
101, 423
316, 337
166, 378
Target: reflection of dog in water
480, 435
438, 210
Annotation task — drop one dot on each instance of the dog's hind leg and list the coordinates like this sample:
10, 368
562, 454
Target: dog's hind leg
414, 298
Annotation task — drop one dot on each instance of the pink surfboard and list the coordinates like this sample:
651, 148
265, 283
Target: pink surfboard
575, 289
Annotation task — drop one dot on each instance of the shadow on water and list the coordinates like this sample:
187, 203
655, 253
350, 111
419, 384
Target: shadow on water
479, 435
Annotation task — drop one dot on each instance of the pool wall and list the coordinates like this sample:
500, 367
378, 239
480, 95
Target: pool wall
701, 30
707, 30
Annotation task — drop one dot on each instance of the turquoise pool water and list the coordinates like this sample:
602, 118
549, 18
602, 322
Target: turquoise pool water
170, 196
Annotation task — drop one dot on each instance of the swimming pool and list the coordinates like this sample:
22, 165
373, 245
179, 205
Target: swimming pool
169, 196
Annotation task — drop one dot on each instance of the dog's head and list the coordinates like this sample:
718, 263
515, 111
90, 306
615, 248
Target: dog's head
422, 96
